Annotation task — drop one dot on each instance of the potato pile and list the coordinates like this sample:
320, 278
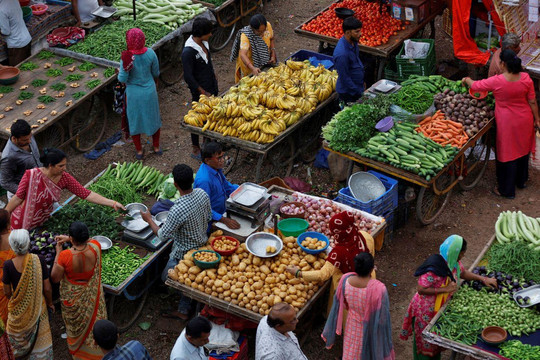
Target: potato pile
251, 282
224, 244
313, 243
206, 256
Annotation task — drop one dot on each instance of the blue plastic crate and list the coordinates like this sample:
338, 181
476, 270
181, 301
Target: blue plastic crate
313, 57
389, 230
383, 204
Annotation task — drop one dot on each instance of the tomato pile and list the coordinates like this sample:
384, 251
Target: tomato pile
377, 25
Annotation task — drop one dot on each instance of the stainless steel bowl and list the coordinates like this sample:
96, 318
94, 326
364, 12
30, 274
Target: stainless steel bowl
104, 241
257, 242
161, 216
136, 208
365, 186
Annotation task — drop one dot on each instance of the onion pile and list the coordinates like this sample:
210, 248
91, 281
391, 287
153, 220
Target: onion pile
292, 209
463, 108
319, 212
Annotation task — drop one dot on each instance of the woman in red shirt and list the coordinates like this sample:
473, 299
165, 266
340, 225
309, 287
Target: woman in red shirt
516, 113
78, 270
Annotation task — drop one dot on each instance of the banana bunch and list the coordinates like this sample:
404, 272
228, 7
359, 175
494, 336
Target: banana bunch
261, 107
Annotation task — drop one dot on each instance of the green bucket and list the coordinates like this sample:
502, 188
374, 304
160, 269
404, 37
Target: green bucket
292, 226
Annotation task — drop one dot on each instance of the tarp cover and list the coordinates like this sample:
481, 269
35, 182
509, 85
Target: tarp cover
465, 47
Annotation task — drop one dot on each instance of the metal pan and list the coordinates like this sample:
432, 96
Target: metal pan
135, 225
533, 292
104, 11
248, 194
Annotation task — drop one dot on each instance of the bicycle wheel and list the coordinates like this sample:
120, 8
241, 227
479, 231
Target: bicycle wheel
221, 37
51, 137
475, 163
170, 61
87, 124
429, 205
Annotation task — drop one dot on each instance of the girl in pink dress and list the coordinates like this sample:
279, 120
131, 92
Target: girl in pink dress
515, 110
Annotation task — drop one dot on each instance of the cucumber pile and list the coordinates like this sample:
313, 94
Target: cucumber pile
406, 149
435, 84
516, 226
145, 178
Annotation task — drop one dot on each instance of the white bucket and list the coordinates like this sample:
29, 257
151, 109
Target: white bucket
535, 158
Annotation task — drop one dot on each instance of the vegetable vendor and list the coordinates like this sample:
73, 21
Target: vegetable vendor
199, 72
211, 179
509, 41
254, 48
82, 10
350, 82
41, 187
186, 225
20, 154
14, 31
516, 114
438, 278
349, 241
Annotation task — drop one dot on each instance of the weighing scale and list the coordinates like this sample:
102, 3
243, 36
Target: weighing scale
144, 238
256, 213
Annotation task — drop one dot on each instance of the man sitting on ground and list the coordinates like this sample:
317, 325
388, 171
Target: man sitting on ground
275, 337
106, 335
190, 343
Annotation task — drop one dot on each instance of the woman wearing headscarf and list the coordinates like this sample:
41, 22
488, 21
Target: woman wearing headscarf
368, 331
139, 70
78, 270
348, 242
438, 278
254, 47
27, 286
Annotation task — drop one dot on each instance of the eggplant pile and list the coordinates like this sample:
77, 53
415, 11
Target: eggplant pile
507, 284
43, 243
463, 108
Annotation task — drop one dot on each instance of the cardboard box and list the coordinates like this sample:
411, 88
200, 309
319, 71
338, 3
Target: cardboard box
414, 11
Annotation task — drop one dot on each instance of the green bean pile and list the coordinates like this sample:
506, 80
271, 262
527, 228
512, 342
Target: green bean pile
412, 98
109, 42
515, 258
118, 264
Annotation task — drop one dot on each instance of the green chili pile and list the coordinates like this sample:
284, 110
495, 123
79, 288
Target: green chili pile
45, 54
78, 95
58, 86
110, 71
93, 83
25, 95
45, 99
86, 66
413, 99
516, 350
515, 258
28, 66
118, 264
64, 61
5, 89
54, 72
74, 77
39, 82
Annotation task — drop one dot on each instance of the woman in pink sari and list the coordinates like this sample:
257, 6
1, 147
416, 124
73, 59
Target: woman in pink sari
368, 331
41, 187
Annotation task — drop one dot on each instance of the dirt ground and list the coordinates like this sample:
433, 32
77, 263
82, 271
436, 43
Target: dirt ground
471, 214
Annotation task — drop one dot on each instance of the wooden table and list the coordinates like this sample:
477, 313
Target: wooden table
382, 52
90, 122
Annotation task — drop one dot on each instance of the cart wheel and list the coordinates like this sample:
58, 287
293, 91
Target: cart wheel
475, 163
87, 124
281, 156
170, 61
125, 312
51, 137
233, 155
429, 205
221, 37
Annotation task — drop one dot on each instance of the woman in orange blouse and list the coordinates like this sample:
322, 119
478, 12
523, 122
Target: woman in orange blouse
6, 253
78, 270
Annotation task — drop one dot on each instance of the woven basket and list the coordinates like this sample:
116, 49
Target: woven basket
447, 22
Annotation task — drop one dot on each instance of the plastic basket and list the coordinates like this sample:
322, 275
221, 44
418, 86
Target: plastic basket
302, 55
426, 66
383, 204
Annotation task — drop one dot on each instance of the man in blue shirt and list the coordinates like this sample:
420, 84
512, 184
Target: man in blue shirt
211, 179
350, 82
106, 335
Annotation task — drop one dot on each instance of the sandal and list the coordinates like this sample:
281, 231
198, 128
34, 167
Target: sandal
496, 191
139, 156
159, 152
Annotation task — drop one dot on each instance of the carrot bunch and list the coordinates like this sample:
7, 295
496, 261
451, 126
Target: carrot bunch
442, 130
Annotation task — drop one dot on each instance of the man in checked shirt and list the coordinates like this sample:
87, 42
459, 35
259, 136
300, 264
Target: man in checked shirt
186, 225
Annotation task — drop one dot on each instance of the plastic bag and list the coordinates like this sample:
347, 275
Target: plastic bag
535, 158
415, 50
399, 113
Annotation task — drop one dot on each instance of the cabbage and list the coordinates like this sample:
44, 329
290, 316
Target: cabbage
169, 190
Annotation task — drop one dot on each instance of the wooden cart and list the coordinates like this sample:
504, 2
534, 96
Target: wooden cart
382, 52
227, 15
84, 127
466, 168
130, 296
287, 146
456, 347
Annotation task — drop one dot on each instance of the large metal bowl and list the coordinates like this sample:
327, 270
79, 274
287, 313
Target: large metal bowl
257, 242
104, 241
161, 216
365, 186
136, 208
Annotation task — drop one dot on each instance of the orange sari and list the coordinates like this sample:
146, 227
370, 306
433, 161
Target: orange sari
82, 305
4, 256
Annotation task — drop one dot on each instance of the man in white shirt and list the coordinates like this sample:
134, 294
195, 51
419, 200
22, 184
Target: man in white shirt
275, 337
82, 9
14, 31
190, 343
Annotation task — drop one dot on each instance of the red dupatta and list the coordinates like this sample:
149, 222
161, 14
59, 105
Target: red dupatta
135, 40
348, 241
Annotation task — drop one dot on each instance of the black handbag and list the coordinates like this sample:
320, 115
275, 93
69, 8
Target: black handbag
119, 97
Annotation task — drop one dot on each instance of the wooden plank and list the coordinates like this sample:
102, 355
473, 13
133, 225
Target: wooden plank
26, 78
253, 146
235, 309
394, 42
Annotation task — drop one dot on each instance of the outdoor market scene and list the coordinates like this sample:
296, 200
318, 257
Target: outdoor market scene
262, 179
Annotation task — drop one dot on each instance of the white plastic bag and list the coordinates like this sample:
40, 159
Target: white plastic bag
535, 158
415, 50
223, 340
